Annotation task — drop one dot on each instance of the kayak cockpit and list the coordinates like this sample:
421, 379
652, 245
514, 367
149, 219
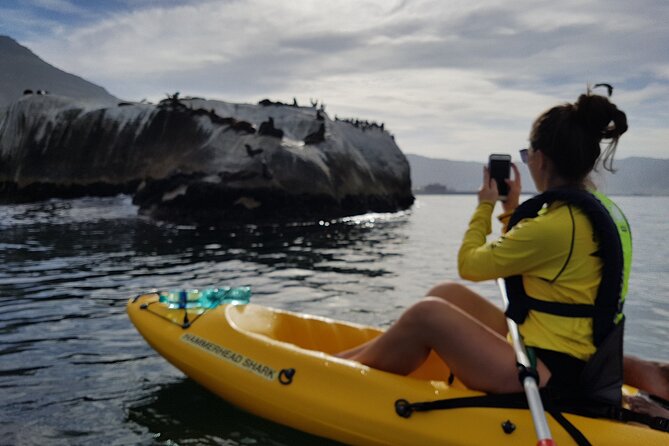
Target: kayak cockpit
317, 333
307, 332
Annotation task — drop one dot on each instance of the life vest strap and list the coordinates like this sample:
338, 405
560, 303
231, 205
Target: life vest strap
561, 308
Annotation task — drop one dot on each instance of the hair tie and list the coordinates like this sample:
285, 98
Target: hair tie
608, 87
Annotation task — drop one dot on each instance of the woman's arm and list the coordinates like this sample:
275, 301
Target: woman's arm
531, 243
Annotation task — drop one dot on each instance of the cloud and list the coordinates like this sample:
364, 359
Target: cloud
20, 23
466, 77
60, 6
445, 112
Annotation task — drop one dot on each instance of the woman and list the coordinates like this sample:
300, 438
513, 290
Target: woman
555, 253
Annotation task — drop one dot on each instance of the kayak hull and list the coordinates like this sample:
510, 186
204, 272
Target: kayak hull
281, 366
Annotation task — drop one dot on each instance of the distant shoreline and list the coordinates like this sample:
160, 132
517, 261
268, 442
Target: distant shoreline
634, 176
450, 192
419, 192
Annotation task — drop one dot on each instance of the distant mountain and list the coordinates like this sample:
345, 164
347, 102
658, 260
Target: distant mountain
457, 176
634, 176
637, 176
21, 69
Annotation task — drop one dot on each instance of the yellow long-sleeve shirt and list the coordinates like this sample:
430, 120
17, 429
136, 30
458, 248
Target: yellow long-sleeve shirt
539, 250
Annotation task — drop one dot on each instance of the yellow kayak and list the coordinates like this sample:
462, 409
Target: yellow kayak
281, 366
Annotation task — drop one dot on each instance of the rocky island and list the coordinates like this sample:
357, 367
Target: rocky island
205, 161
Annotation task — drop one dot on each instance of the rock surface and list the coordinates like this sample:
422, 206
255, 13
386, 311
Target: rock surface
193, 160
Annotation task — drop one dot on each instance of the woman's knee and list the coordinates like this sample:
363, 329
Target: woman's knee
423, 311
426, 312
447, 289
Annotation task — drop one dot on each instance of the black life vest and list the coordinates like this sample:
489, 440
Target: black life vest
602, 377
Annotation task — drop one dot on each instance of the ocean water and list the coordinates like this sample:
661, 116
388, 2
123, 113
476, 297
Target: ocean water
74, 371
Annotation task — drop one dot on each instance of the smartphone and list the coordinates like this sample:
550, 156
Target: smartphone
499, 166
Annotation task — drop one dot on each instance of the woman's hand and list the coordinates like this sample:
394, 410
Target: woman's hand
513, 196
488, 191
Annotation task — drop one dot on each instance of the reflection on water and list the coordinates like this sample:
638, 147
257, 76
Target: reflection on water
74, 371
185, 413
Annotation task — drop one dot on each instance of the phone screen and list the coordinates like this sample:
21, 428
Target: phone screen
499, 166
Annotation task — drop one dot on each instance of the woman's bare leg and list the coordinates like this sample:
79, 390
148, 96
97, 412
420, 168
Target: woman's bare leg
467, 300
649, 376
479, 356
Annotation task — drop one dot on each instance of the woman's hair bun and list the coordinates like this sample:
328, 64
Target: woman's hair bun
599, 117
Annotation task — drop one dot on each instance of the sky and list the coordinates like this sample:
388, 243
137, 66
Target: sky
454, 79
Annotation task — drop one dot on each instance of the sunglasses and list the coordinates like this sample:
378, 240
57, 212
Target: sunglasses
523, 155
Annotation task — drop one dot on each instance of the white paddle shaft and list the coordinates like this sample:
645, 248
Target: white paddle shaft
529, 384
